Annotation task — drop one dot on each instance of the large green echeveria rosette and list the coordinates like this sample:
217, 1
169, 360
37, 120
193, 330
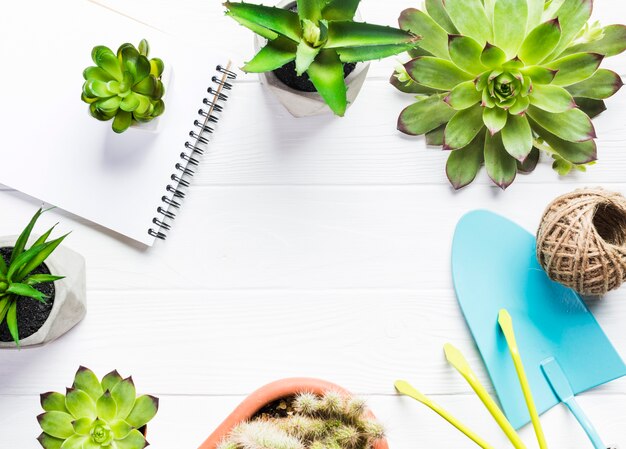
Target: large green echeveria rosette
96, 414
500, 81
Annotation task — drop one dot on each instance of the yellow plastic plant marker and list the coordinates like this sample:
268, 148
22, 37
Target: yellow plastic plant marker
456, 359
403, 387
506, 324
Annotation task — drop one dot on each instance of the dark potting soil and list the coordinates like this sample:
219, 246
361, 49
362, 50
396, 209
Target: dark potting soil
280, 408
287, 73
31, 314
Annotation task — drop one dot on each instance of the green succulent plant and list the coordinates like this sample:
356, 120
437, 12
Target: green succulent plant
321, 37
17, 281
499, 81
96, 414
331, 421
126, 87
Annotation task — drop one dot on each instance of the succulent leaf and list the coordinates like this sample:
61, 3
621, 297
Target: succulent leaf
436, 73
508, 34
576, 153
575, 68
591, 107
463, 165
425, 116
466, 53
371, 52
540, 42
495, 119
326, 74
12, 321
49, 442
110, 381
600, 86
437, 11
463, 96
470, 19
56, 424
52, 401
309, 10
612, 43
551, 98
86, 380
463, 127
120, 428
572, 125
305, 55
274, 55
144, 409
278, 20
350, 34
20, 243
80, 404
517, 137
74, 442
501, 166
83, 426
106, 408
340, 9
492, 56
572, 15
124, 395
26, 290
434, 37
104, 58
41, 255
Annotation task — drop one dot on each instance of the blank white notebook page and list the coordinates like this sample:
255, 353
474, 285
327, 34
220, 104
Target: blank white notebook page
53, 150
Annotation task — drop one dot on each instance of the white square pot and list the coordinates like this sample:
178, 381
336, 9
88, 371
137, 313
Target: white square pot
304, 104
70, 298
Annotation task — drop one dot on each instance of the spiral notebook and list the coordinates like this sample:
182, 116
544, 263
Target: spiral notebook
51, 149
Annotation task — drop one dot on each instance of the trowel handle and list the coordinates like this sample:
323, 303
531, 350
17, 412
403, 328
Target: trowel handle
585, 423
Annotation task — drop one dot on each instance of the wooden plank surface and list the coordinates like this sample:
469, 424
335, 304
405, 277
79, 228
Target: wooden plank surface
315, 247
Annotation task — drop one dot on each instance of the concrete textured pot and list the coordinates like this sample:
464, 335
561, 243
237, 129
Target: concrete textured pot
70, 299
305, 104
270, 393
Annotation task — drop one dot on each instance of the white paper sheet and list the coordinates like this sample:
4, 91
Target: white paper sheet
53, 150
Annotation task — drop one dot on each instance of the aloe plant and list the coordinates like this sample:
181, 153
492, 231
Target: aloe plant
17, 281
330, 421
126, 87
500, 81
321, 37
96, 414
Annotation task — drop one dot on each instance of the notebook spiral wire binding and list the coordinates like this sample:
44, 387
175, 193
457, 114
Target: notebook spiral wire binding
189, 158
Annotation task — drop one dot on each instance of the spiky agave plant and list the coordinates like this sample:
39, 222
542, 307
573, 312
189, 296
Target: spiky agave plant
321, 37
17, 280
331, 421
126, 87
498, 81
94, 414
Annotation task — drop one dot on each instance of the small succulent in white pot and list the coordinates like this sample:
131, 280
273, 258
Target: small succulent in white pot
42, 288
312, 54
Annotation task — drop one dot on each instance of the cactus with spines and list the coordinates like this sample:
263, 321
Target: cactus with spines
330, 421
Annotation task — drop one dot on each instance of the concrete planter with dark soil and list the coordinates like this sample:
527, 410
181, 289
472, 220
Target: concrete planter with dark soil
41, 323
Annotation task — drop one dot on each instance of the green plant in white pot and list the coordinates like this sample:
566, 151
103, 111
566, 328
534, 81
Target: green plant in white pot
42, 288
310, 51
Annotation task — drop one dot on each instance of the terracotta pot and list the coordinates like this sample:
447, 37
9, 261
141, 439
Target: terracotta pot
270, 393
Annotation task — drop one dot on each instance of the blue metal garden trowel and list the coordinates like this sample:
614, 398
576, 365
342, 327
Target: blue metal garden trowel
494, 267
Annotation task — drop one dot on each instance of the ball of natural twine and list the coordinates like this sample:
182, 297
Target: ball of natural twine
581, 241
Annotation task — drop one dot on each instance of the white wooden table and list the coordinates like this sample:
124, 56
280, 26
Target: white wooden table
313, 247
